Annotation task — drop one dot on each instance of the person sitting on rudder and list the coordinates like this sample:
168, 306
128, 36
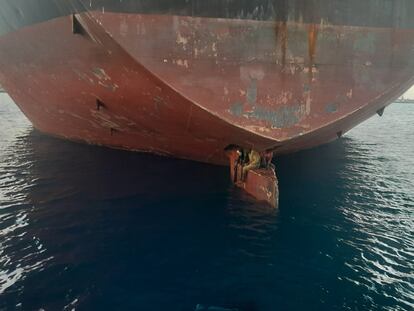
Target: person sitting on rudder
266, 159
254, 162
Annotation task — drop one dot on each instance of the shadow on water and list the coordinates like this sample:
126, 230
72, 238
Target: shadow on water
94, 228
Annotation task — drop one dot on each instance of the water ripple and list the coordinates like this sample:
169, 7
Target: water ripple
90, 228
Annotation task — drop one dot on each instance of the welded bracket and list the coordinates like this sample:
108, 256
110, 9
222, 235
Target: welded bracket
77, 27
99, 104
83, 25
381, 111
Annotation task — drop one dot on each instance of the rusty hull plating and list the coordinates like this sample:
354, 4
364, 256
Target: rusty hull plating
189, 86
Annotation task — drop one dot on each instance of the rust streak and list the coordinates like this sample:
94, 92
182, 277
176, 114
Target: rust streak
312, 42
281, 32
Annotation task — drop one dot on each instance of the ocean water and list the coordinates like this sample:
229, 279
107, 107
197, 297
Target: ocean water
88, 228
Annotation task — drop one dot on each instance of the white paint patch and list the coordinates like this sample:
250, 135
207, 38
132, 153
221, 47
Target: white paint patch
182, 40
350, 93
182, 63
254, 72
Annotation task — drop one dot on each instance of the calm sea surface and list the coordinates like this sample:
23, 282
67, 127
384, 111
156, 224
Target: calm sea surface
88, 228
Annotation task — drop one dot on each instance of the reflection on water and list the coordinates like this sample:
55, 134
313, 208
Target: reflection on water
90, 228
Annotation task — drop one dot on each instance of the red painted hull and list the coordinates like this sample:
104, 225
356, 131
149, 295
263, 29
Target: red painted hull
189, 87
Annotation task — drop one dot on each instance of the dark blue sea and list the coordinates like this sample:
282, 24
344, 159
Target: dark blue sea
89, 228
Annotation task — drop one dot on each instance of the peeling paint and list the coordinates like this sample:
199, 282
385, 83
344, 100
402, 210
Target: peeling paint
100, 74
350, 94
252, 72
283, 117
181, 63
332, 107
284, 98
182, 40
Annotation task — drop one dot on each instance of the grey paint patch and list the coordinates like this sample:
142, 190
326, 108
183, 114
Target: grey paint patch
365, 42
236, 109
341, 100
283, 117
306, 88
252, 92
332, 107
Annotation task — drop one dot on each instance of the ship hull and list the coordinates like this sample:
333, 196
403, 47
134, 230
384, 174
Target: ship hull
189, 86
